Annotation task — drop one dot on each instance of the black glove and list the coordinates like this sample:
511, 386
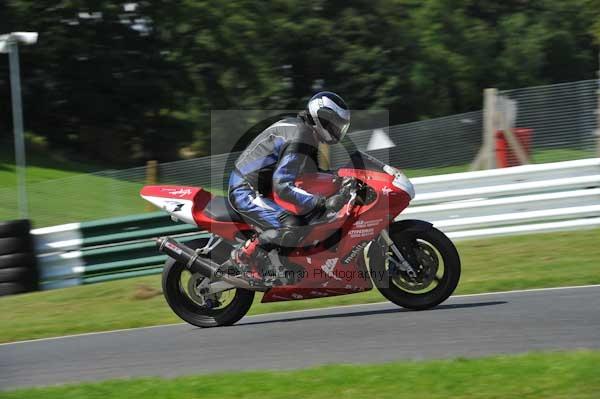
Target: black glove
325, 206
336, 202
318, 211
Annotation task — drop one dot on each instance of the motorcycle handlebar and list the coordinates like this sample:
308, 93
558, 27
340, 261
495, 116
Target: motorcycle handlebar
345, 196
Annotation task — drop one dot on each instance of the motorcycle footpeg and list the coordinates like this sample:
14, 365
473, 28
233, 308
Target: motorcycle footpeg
257, 283
265, 281
229, 268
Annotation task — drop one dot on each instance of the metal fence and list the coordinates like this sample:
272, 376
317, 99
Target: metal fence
424, 147
562, 118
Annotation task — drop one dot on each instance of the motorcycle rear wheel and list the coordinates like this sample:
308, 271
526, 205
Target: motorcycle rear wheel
431, 246
182, 302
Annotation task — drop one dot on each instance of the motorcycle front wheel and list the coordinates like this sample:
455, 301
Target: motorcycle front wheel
434, 273
181, 289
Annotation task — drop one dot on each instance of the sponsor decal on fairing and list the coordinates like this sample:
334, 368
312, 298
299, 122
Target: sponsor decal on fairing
364, 228
182, 192
354, 253
329, 266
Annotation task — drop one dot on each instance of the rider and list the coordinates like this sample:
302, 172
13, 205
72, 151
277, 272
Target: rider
271, 164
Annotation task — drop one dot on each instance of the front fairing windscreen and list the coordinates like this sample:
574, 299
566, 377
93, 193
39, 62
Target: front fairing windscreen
364, 161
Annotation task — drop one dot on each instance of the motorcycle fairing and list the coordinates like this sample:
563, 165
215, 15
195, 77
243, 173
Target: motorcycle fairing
325, 272
362, 223
178, 201
187, 204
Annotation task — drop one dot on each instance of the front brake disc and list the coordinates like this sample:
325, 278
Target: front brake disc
426, 268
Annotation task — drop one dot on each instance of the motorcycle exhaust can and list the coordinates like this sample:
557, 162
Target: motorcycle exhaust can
187, 256
198, 264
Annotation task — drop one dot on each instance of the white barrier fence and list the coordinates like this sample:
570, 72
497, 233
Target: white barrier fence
523, 199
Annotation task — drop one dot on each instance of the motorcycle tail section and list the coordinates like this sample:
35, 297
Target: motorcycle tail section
178, 201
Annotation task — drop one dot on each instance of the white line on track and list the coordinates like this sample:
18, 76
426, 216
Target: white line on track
301, 311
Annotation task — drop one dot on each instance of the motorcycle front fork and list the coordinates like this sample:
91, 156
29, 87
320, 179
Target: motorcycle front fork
401, 263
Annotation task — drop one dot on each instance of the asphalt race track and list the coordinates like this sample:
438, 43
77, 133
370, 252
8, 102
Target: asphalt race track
464, 326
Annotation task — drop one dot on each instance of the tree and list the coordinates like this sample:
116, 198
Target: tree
98, 81
126, 81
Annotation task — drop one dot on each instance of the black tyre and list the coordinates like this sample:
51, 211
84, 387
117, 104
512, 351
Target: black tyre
436, 269
13, 288
178, 288
15, 228
15, 244
26, 260
16, 274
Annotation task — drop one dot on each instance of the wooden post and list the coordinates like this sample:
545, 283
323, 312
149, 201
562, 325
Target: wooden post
151, 178
486, 157
490, 126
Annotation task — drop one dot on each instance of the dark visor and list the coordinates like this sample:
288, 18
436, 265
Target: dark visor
333, 123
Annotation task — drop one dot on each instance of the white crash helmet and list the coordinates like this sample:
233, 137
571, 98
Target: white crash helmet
330, 115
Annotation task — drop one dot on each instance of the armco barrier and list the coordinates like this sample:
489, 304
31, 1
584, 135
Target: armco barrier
518, 200
531, 198
109, 249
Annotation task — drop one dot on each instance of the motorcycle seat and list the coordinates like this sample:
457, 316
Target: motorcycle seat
219, 209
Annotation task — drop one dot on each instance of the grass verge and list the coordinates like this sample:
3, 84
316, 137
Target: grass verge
499, 264
535, 375
59, 191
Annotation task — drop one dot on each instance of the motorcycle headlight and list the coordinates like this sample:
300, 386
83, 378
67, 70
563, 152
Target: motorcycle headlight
400, 180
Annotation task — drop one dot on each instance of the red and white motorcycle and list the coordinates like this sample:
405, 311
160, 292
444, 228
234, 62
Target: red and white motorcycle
410, 262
